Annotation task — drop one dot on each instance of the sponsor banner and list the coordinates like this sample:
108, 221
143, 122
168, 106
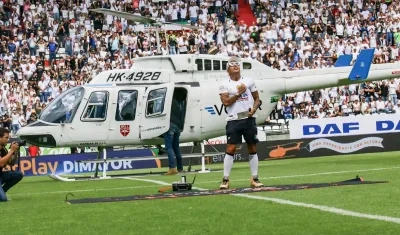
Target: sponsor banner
344, 126
345, 147
267, 150
319, 147
302, 148
66, 163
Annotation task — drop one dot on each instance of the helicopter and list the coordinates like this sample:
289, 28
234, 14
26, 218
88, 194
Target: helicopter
128, 107
280, 152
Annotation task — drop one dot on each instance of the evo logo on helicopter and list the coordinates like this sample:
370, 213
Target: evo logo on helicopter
218, 110
135, 76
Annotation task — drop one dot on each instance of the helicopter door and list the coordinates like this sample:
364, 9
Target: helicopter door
156, 110
125, 122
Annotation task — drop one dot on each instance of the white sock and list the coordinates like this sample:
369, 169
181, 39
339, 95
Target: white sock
228, 163
254, 164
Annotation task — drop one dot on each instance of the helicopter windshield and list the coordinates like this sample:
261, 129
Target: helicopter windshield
64, 107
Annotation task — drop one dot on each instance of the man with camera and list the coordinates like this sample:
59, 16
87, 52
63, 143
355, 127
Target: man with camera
7, 157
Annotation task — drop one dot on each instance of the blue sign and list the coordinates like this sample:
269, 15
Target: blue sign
344, 126
66, 163
387, 125
330, 128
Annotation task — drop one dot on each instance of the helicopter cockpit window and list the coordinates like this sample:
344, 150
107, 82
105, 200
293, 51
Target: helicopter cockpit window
155, 102
63, 108
126, 106
96, 108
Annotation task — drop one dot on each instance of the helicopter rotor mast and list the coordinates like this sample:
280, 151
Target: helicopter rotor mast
142, 20
157, 28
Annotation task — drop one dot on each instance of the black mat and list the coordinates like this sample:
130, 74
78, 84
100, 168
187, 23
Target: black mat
356, 181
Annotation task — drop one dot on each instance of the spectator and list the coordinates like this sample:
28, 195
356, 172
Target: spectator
287, 111
49, 47
34, 151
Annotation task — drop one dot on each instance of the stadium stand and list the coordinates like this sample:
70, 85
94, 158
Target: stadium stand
47, 47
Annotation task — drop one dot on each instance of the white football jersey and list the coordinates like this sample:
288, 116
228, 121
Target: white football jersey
244, 102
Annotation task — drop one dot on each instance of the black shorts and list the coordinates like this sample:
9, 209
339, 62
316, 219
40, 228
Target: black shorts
244, 127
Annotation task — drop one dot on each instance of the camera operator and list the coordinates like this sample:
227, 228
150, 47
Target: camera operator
7, 178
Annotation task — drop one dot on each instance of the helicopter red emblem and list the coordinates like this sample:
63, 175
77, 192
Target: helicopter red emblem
124, 130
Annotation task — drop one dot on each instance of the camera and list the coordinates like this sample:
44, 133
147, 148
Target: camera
15, 159
19, 142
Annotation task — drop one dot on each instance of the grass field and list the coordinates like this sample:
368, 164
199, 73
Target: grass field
38, 206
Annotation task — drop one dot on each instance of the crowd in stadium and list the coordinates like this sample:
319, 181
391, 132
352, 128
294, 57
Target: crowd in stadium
47, 47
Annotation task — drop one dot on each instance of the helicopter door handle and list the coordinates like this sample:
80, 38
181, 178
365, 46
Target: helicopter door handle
111, 129
72, 128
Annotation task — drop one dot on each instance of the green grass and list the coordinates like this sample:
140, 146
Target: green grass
38, 206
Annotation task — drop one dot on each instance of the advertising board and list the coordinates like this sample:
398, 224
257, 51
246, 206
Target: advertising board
304, 148
344, 126
267, 150
319, 147
66, 163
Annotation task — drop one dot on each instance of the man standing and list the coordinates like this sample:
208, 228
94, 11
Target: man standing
240, 96
171, 137
7, 178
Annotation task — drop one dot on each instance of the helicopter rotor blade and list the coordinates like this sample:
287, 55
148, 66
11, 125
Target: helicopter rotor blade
192, 27
125, 15
140, 19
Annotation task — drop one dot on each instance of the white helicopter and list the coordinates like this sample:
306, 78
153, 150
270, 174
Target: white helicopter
132, 106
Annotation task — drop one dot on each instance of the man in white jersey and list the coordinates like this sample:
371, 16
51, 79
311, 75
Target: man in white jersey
240, 96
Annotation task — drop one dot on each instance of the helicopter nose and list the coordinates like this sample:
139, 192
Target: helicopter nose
40, 140
34, 136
